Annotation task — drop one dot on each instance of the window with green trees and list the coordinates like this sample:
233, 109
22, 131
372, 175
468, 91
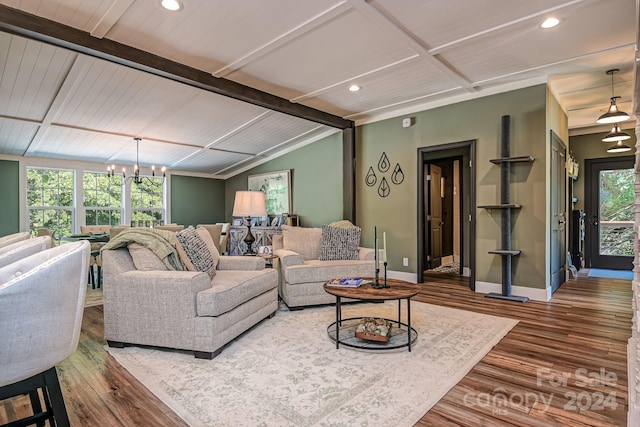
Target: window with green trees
50, 200
102, 198
147, 200
617, 211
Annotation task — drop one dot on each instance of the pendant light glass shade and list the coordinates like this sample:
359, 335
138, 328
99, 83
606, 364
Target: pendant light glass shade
616, 135
613, 114
619, 148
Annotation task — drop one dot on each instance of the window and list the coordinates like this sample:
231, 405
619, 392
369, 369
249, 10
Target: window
50, 200
147, 200
102, 198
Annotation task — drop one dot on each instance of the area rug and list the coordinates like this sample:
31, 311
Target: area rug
611, 274
453, 267
287, 372
93, 297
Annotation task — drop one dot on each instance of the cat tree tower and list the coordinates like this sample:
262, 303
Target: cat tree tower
506, 252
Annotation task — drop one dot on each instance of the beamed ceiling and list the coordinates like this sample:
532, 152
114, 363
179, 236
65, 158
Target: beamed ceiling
223, 85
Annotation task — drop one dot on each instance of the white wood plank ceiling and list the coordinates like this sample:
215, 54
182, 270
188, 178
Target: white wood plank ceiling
407, 55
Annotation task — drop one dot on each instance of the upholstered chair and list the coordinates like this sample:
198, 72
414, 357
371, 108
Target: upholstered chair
46, 232
15, 237
41, 306
22, 249
170, 227
115, 230
215, 230
224, 238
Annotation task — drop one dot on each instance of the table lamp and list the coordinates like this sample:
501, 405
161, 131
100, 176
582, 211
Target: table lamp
249, 204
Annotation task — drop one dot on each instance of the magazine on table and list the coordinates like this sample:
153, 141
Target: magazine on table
346, 282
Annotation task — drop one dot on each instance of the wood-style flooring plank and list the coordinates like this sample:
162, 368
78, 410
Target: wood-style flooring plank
546, 358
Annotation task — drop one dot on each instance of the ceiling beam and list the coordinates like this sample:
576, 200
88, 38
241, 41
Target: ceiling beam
23, 24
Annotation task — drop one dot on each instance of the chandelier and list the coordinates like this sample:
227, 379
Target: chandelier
136, 177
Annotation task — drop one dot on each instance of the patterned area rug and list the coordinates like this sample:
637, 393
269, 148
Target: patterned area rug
287, 372
93, 297
454, 267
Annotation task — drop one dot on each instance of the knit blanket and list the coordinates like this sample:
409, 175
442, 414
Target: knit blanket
160, 242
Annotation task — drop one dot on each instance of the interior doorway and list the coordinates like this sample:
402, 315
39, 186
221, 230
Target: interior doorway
446, 211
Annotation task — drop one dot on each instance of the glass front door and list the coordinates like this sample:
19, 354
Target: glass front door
611, 213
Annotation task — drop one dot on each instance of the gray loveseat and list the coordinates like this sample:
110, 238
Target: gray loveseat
303, 274
185, 309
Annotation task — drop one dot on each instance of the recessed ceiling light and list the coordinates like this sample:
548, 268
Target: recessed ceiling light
354, 88
550, 23
172, 5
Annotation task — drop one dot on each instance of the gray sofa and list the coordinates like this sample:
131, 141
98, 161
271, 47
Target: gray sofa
185, 309
303, 274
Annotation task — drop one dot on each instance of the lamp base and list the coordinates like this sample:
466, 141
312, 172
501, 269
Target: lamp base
249, 239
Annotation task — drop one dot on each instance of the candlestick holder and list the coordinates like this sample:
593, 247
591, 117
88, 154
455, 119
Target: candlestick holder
376, 284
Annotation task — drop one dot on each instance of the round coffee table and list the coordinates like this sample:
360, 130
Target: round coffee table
342, 330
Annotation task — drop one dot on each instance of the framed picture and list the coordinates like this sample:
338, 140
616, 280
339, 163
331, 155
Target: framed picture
276, 187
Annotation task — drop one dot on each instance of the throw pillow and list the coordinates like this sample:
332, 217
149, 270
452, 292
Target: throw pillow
144, 259
339, 243
302, 240
194, 251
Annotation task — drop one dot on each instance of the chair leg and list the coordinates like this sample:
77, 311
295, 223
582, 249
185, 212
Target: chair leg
36, 405
55, 397
92, 280
99, 277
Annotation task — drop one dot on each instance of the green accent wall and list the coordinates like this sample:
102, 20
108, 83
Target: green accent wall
480, 120
197, 200
9, 197
316, 180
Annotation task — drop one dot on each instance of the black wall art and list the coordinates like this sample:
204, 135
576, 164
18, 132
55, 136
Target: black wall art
384, 165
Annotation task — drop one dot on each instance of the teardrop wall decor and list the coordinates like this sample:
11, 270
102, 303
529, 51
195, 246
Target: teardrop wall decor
383, 189
370, 179
397, 176
383, 163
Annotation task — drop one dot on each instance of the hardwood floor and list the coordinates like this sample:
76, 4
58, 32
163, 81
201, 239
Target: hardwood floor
563, 361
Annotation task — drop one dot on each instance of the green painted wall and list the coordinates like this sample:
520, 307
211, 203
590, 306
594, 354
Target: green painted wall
316, 180
477, 119
591, 147
197, 200
9, 197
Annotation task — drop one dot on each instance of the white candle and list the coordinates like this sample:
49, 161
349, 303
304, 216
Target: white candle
376, 254
384, 246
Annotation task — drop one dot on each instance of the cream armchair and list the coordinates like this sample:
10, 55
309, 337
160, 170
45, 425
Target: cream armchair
12, 238
41, 307
22, 249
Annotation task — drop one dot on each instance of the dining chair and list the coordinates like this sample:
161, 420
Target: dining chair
41, 307
43, 231
96, 258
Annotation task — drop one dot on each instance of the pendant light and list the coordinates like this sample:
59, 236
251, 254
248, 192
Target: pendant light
619, 147
616, 135
613, 115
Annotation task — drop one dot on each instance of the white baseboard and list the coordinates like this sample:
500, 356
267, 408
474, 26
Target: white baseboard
401, 275
466, 271
535, 294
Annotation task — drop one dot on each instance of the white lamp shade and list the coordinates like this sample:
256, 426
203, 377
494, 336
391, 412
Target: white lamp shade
249, 203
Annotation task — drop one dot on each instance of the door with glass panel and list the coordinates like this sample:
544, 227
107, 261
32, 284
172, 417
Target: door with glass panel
610, 204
